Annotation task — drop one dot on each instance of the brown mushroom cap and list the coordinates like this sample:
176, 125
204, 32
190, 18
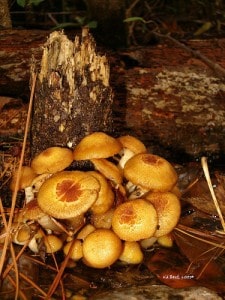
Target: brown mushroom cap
96, 145
68, 194
27, 174
132, 143
150, 171
105, 196
108, 169
52, 160
101, 248
135, 220
168, 209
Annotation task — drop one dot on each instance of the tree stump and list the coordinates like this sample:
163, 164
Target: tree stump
72, 93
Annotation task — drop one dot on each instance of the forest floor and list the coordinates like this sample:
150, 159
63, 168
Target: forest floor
171, 98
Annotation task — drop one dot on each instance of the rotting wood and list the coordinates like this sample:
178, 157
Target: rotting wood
72, 96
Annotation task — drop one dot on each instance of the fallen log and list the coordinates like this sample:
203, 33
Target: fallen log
163, 95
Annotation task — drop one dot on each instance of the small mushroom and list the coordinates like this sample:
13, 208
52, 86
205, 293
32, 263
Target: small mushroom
52, 243
131, 146
103, 220
165, 240
96, 145
132, 253
76, 252
52, 160
135, 220
109, 170
151, 172
68, 194
85, 231
32, 212
27, 175
105, 196
147, 243
21, 233
168, 209
101, 248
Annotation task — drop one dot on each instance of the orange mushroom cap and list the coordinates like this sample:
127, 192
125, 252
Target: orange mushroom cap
52, 160
105, 196
150, 171
135, 220
101, 248
168, 209
132, 143
108, 169
68, 194
96, 145
26, 175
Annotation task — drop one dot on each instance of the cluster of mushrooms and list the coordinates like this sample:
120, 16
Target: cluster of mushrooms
127, 202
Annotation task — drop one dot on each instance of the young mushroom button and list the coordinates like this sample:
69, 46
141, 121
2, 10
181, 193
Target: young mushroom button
101, 248
68, 194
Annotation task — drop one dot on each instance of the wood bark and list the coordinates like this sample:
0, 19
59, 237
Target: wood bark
72, 94
5, 19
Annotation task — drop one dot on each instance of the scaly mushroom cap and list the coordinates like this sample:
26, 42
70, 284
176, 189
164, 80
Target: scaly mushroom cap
168, 209
68, 194
101, 248
27, 174
96, 145
135, 220
150, 171
52, 160
108, 169
105, 196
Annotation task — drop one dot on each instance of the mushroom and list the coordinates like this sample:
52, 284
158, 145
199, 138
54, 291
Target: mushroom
105, 196
131, 146
165, 240
96, 145
147, 243
101, 248
26, 175
32, 212
52, 160
135, 220
150, 172
21, 233
85, 231
103, 220
76, 252
68, 194
109, 170
168, 209
52, 243
132, 253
